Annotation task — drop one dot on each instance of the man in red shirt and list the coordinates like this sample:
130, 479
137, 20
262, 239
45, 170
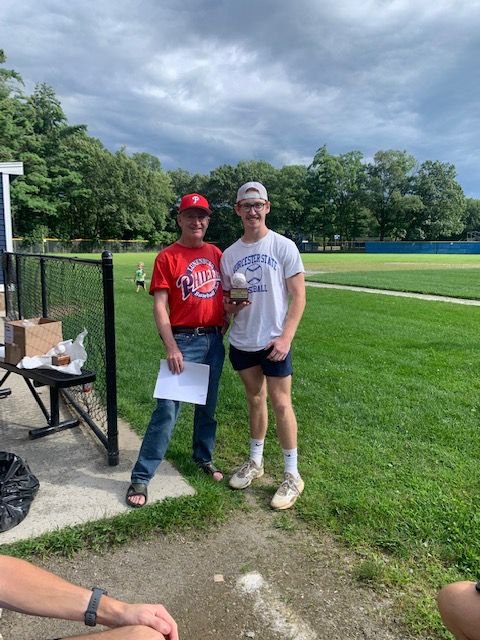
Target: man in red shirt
188, 311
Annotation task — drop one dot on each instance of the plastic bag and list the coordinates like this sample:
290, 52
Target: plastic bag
18, 488
74, 349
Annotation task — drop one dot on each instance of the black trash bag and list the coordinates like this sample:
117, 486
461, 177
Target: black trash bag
18, 488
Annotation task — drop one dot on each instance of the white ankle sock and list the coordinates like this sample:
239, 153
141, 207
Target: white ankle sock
256, 450
290, 461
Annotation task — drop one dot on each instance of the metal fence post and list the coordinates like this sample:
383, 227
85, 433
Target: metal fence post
6, 280
43, 284
110, 357
19, 286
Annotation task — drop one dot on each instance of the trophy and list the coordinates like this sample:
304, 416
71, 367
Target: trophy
239, 290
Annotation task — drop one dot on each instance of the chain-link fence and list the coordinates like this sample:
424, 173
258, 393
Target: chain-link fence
80, 294
56, 245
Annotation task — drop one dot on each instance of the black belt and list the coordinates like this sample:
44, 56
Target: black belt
196, 331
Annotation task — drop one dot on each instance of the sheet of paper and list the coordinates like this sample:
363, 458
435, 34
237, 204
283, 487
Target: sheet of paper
189, 386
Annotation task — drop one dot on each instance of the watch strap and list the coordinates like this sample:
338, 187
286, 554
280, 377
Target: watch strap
91, 612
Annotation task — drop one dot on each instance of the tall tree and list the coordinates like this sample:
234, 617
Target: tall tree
336, 186
219, 188
40, 195
472, 217
147, 161
184, 182
155, 187
442, 214
9, 79
47, 109
352, 220
117, 196
288, 198
388, 191
15, 116
322, 202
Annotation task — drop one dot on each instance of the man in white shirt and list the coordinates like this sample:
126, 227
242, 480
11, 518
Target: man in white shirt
262, 333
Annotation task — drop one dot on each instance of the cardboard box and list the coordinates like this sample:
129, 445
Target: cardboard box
32, 337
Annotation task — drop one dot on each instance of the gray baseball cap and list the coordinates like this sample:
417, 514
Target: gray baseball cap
252, 190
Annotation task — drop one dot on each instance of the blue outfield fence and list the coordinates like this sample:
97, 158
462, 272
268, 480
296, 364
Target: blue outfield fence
422, 247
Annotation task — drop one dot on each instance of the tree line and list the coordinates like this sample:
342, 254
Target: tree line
74, 187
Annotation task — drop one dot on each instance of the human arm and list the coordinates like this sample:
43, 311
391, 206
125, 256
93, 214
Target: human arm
226, 320
164, 328
29, 589
136, 632
231, 308
459, 606
282, 344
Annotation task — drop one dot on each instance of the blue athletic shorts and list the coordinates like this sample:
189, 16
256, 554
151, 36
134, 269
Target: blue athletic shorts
246, 359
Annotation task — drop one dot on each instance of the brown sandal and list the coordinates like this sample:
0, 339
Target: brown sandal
210, 469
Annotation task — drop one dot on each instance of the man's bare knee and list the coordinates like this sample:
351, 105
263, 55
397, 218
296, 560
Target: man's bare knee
458, 604
257, 397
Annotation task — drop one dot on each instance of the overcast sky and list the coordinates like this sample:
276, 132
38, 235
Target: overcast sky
200, 83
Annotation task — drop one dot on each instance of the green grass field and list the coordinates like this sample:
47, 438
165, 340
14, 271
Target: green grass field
456, 275
387, 261
386, 392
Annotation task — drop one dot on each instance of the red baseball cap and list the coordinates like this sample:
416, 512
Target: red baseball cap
194, 201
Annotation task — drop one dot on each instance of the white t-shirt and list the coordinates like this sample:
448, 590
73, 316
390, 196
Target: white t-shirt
266, 265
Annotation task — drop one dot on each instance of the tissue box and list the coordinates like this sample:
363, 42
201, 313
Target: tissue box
32, 337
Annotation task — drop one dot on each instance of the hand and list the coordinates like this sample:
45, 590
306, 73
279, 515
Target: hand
175, 360
232, 308
279, 349
150, 615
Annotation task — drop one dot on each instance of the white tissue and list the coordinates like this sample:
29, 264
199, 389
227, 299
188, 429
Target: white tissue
74, 349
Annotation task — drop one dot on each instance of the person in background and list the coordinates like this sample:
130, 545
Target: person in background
459, 605
189, 314
262, 333
28, 589
140, 277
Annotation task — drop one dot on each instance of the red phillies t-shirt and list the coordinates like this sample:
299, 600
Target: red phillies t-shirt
192, 278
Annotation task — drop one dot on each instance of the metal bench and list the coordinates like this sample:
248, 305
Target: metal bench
55, 380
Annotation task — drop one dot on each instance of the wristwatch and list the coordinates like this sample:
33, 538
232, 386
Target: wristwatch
91, 612
477, 586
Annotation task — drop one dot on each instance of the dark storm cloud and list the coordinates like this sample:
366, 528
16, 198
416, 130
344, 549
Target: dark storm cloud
202, 83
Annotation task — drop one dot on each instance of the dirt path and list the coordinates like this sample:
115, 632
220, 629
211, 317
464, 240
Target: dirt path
250, 578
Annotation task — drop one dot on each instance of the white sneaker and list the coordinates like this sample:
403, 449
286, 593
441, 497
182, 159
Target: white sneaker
245, 474
288, 492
